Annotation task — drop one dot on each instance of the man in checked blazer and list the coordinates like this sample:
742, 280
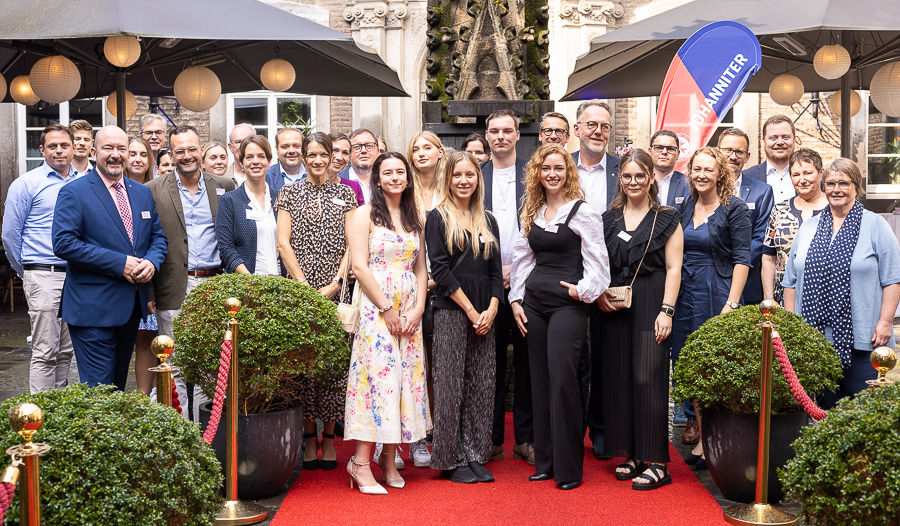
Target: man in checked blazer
186, 201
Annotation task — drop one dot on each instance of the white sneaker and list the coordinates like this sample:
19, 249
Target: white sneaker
376, 456
421, 457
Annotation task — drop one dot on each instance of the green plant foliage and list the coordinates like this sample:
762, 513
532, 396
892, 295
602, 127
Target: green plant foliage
117, 458
719, 364
287, 329
847, 468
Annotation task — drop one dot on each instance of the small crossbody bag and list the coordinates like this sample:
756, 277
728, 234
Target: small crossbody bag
621, 298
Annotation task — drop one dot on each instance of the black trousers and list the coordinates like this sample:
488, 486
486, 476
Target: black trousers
508, 332
595, 403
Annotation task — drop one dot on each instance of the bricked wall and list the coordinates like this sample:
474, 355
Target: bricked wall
177, 113
826, 142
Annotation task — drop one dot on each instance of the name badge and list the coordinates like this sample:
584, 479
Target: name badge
624, 236
338, 201
552, 229
145, 214
220, 191
679, 200
751, 206
253, 215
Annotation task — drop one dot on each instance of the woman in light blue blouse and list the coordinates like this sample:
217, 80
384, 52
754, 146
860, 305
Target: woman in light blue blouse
843, 277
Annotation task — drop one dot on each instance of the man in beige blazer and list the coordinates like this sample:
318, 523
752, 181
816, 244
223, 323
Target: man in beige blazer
186, 201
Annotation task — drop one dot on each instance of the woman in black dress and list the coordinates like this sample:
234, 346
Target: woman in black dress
644, 241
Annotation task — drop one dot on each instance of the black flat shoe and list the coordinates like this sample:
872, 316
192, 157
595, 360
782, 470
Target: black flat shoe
481, 473
691, 459
598, 449
537, 477
565, 486
463, 475
310, 465
700, 465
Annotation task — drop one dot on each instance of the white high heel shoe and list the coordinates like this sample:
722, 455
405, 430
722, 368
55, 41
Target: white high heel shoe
375, 489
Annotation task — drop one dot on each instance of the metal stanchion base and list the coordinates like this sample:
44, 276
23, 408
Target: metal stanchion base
236, 512
754, 514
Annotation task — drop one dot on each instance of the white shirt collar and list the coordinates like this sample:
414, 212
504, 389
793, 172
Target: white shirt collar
254, 204
601, 164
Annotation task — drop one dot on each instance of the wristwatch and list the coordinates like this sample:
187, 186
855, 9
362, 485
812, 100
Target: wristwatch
339, 281
733, 305
667, 310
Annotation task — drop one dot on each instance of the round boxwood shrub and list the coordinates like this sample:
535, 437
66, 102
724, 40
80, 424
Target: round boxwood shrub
719, 364
847, 469
117, 458
287, 330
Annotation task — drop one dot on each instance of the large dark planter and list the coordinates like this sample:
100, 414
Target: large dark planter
268, 447
730, 444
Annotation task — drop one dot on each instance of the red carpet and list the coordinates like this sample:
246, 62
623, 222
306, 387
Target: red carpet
325, 497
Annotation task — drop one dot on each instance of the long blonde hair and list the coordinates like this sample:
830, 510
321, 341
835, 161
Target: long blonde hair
438, 169
478, 225
535, 194
725, 182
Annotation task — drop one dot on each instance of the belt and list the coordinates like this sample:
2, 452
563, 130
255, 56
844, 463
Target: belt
205, 273
44, 267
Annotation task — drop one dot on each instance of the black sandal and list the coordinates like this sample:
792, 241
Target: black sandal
658, 476
327, 464
310, 465
634, 469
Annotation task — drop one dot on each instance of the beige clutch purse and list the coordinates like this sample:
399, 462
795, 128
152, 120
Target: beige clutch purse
622, 294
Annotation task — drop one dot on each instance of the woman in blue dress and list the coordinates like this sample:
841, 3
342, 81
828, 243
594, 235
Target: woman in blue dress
716, 261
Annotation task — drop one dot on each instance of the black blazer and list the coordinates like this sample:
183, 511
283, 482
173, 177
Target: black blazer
487, 173
235, 233
612, 175
730, 232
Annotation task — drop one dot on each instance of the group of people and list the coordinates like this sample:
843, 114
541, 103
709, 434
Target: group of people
593, 268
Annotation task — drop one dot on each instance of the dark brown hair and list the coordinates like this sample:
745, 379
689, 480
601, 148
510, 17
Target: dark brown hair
477, 137
409, 212
259, 140
322, 139
645, 163
505, 112
56, 128
775, 119
807, 156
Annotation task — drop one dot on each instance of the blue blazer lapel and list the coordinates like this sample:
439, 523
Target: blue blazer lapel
612, 175
487, 173
106, 201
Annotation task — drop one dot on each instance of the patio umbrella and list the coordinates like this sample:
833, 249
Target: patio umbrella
632, 61
233, 38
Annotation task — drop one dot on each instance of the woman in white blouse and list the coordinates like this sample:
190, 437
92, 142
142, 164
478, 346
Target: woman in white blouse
559, 267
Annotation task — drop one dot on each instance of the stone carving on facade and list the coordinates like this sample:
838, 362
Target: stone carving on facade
389, 15
591, 12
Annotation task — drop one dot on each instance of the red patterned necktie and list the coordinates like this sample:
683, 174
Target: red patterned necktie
124, 211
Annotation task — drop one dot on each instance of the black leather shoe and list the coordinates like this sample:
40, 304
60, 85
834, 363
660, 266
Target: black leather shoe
599, 452
463, 475
481, 473
568, 485
537, 477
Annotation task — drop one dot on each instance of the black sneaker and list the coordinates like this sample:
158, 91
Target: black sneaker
481, 473
463, 475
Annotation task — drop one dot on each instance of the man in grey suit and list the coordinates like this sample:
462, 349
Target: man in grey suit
186, 201
673, 186
597, 170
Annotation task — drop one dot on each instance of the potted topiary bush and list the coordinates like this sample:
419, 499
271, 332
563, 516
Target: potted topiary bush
117, 458
846, 471
287, 329
719, 368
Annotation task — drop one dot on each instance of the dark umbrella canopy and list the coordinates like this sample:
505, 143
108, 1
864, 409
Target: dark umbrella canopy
632, 61
234, 38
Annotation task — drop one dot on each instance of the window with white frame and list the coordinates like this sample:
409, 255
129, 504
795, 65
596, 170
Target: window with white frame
883, 156
268, 111
33, 119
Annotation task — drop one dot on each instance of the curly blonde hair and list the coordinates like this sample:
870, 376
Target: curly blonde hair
725, 182
535, 194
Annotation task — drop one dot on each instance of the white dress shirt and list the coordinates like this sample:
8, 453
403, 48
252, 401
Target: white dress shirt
663, 187
366, 189
780, 181
505, 209
593, 182
266, 245
588, 224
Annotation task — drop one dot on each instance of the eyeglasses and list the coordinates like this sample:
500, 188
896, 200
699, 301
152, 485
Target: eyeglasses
193, 150
550, 132
659, 148
840, 185
639, 178
369, 146
151, 133
592, 126
728, 152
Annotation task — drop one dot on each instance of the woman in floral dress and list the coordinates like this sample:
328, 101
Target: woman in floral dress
387, 400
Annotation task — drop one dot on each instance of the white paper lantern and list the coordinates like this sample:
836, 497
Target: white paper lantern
831, 61
197, 88
786, 89
55, 79
885, 89
122, 51
130, 104
21, 92
277, 75
2, 87
834, 102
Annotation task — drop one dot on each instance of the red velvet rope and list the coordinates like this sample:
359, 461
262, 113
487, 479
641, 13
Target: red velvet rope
7, 491
219, 399
790, 376
176, 405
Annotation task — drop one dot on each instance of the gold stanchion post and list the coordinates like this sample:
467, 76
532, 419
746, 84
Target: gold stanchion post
25, 420
163, 346
761, 512
234, 511
883, 359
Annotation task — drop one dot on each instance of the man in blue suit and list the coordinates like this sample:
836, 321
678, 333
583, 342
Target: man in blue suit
734, 144
106, 229
672, 185
778, 136
290, 168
